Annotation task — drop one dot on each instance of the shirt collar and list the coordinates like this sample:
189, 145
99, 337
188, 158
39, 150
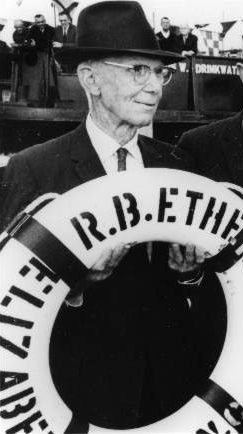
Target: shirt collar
65, 29
165, 34
105, 145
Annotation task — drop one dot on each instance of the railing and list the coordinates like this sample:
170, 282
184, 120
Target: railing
202, 85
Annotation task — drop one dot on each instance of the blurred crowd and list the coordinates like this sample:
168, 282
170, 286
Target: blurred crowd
184, 42
34, 47
33, 50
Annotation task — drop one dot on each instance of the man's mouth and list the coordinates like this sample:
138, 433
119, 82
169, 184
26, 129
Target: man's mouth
147, 104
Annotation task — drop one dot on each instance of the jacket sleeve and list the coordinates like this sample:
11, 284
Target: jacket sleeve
194, 44
18, 189
187, 144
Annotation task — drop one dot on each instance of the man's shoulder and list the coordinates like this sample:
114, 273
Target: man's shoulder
157, 144
173, 35
169, 155
50, 30
192, 36
42, 153
214, 129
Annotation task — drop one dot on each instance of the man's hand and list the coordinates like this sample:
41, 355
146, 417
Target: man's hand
188, 53
101, 270
107, 262
186, 260
57, 44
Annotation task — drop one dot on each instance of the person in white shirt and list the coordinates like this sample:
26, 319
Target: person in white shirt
127, 349
166, 37
65, 34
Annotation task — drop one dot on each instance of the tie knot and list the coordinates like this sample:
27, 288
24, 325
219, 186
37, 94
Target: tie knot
121, 156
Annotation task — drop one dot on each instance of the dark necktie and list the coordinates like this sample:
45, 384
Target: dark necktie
64, 39
121, 155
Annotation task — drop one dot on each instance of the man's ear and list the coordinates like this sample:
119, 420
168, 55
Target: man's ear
88, 79
240, 70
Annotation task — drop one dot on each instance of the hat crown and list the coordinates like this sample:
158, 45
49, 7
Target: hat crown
115, 25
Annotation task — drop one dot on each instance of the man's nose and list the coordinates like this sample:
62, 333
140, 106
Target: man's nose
154, 84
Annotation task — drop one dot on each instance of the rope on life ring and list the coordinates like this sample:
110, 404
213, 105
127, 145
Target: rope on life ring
46, 250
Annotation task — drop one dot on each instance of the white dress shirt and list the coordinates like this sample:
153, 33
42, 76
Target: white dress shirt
106, 148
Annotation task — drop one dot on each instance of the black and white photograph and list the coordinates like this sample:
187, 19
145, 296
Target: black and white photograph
121, 216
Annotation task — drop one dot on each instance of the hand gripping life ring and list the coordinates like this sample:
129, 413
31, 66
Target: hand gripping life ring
69, 233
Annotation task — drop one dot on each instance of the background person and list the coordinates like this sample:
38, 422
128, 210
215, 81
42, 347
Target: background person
127, 353
42, 88
217, 153
24, 57
65, 36
166, 37
186, 41
20, 34
216, 148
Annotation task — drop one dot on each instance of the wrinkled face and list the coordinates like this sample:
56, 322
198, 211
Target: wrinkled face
165, 24
184, 29
64, 20
40, 22
126, 101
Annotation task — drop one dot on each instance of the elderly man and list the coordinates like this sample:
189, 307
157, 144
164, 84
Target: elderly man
20, 34
186, 41
122, 351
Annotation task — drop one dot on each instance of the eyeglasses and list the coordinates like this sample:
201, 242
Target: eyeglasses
141, 73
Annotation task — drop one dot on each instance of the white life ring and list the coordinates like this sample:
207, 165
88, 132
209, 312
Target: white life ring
147, 205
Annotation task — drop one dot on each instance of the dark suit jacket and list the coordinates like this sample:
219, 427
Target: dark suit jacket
127, 354
168, 44
191, 43
43, 39
217, 149
3, 47
71, 36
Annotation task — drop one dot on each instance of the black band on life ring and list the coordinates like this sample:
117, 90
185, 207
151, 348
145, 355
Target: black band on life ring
221, 401
48, 248
228, 256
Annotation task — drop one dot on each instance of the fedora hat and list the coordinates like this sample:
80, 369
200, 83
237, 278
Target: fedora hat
114, 28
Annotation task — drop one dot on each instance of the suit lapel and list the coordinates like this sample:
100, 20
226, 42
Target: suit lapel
151, 157
85, 160
233, 148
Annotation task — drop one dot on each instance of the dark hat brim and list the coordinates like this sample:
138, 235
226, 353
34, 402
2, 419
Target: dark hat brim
74, 56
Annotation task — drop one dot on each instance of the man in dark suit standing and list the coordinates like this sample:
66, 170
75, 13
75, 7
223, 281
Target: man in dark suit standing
217, 152
217, 147
42, 86
65, 36
126, 341
186, 41
167, 39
